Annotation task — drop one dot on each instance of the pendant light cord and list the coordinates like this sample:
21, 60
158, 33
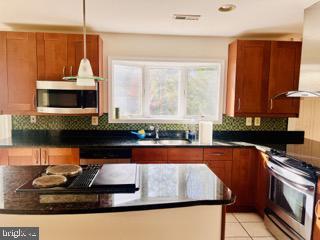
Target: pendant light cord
84, 31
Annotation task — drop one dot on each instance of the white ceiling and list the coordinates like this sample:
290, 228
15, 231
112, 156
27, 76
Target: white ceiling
155, 16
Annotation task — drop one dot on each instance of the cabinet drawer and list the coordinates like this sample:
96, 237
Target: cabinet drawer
187, 155
149, 155
218, 154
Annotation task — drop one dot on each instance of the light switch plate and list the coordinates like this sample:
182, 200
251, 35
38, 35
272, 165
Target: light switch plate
257, 121
248, 121
33, 119
94, 121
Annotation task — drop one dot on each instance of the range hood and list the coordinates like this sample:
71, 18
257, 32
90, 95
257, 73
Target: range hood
309, 83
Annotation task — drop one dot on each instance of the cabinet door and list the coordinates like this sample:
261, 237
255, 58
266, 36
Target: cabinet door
18, 72
284, 76
3, 156
52, 56
75, 53
185, 155
244, 172
217, 154
56, 156
252, 77
23, 156
149, 155
223, 169
262, 187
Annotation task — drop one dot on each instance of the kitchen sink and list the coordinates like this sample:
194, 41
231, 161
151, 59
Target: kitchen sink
164, 142
173, 142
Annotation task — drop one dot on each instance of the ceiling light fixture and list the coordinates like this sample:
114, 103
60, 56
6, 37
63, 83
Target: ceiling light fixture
227, 8
85, 75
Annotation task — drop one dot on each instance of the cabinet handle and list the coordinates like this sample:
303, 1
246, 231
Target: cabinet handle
239, 104
216, 154
71, 71
316, 210
271, 104
64, 71
34, 100
37, 157
46, 157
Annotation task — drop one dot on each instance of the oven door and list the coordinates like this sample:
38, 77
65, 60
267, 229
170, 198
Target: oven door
66, 98
291, 198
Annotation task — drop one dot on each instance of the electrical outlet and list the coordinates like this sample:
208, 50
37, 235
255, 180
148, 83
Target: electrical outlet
257, 121
248, 121
33, 119
94, 121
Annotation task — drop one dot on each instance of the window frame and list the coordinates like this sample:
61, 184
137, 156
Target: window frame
184, 119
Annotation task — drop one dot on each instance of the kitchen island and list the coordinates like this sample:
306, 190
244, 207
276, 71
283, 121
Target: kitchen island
174, 201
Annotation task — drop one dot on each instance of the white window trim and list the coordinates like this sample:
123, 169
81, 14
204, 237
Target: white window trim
165, 120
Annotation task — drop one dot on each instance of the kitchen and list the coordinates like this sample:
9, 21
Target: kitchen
214, 125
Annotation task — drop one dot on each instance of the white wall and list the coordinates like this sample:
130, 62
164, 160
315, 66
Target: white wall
162, 46
169, 46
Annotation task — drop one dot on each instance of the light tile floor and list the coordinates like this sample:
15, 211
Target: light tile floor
246, 226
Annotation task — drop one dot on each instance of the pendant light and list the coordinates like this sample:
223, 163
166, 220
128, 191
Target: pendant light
85, 75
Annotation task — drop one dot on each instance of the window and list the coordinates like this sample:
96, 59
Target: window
165, 91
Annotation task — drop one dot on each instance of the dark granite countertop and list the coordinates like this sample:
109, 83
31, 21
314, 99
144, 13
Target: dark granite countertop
125, 139
162, 186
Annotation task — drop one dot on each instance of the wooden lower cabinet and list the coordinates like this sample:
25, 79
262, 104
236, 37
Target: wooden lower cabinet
39, 156
219, 160
56, 156
262, 187
223, 169
244, 177
167, 155
149, 155
185, 155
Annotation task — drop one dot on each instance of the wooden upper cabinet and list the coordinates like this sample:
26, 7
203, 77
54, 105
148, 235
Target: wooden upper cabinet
284, 76
52, 56
59, 55
257, 71
247, 77
18, 72
56, 156
75, 53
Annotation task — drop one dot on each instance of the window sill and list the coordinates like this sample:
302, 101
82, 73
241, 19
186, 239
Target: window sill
163, 121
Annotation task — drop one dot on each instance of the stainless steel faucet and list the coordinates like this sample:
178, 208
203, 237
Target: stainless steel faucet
156, 131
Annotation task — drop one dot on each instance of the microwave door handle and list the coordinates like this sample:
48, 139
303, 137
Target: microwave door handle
300, 187
82, 100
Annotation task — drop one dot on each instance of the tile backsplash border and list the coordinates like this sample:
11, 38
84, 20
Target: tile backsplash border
84, 123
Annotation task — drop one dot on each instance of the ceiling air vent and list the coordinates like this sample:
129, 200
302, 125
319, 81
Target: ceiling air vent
187, 17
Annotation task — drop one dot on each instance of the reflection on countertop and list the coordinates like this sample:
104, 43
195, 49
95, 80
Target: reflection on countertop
162, 186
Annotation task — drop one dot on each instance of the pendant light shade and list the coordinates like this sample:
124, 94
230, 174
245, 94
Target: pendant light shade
85, 75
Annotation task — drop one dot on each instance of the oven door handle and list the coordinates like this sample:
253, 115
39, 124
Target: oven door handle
307, 188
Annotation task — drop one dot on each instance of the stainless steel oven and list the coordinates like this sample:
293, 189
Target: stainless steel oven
66, 97
290, 201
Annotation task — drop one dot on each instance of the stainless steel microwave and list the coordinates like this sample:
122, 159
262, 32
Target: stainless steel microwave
65, 97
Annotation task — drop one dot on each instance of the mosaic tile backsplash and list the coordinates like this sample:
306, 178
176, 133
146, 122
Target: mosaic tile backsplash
84, 123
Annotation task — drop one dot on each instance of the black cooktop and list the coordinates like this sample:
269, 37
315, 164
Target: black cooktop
292, 163
95, 179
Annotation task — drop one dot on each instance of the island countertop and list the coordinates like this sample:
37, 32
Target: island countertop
162, 186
